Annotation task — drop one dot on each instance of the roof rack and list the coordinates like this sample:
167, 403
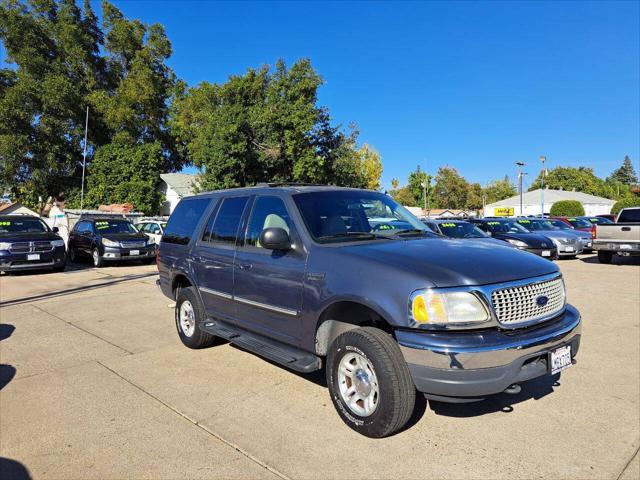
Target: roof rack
290, 184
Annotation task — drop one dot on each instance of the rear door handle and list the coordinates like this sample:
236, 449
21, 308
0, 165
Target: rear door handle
626, 229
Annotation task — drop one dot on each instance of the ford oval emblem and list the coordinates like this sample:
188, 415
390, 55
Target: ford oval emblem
542, 300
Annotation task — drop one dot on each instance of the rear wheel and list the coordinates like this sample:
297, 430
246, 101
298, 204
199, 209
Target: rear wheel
605, 257
189, 313
71, 253
369, 382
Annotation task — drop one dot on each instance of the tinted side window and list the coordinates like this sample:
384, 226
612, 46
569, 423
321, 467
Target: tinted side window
184, 219
629, 216
268, 212
225, 227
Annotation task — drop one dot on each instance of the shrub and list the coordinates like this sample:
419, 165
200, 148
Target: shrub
567, 208
625, 203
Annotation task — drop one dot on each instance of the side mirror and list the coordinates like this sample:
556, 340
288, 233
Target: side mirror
55, 229
156, 231
275, 239
488, 233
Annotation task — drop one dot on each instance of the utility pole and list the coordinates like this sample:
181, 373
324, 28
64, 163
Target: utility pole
520, 175
84, 158
544, 172
484, 205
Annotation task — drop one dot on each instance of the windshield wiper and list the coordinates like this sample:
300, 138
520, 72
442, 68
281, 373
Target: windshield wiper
363, 235
411, 231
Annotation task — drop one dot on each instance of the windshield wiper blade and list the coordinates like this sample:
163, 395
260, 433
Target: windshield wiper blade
411, 231
367, 235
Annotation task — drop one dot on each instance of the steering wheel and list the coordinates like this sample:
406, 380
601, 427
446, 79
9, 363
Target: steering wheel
382, 226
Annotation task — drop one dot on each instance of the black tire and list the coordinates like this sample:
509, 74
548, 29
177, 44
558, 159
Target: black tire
60, 268
71, 255
396, 391
605, 257
97, 259
197, 338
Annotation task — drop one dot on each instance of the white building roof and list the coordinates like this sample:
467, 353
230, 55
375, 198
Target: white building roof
181, 183
552, 196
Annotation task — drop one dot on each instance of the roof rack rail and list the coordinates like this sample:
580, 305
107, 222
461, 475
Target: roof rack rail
290, 184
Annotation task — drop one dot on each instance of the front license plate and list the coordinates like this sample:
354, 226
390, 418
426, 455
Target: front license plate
546, 253
33, 256
569, 249
134, 252
625, 246
560, 359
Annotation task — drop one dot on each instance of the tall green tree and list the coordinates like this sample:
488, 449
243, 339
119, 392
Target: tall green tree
626, 174
416, 183
499, 190
451, 189
371, 165
581, 179
265, 125
59, 61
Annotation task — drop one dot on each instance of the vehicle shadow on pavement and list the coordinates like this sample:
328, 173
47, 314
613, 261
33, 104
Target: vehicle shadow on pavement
534, 389
7, 372
617, 260
6, 330
13, 470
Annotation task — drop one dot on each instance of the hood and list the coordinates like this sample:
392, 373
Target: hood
559, 234
117, 237
29, 237
452, 263
533, 240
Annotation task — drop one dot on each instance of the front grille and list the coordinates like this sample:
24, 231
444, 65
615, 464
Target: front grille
515, 305
31, 247
132, 244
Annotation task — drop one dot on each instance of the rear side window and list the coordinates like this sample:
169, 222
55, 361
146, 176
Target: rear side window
628, 216
224, 228
184, 219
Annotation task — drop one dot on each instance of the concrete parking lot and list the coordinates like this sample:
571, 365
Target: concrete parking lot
95, 384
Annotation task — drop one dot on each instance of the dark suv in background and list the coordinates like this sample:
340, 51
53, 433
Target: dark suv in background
109, 239
511, 231
27, 243
307, 277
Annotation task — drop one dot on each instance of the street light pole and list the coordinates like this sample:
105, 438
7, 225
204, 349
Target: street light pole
542, 159
84, 158
520, 174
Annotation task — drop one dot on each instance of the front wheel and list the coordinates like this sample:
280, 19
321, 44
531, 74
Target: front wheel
604, 257
369, 382
98, 261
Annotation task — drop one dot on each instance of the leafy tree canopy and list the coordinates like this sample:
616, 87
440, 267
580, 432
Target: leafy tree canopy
626, 174
627, 202
266, 125
61, 61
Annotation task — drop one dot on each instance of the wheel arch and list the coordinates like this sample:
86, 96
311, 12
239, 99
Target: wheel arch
342, 316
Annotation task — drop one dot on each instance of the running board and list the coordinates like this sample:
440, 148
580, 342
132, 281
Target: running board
290, 357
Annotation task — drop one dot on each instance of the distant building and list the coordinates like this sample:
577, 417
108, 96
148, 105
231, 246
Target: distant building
531, 202
16, 208
174, 186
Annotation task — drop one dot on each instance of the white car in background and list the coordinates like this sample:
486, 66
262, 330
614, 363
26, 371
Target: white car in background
153, 228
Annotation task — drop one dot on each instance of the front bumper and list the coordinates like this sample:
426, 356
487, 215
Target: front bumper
11, 262
454, 366
122, 254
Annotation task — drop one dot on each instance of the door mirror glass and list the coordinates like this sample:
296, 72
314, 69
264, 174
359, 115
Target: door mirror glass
55, 229
275, 239
156, 231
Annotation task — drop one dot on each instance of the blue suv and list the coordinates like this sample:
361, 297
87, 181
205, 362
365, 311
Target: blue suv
347, 279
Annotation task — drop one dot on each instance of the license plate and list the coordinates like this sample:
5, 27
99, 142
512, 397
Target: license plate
134, 252
560, 359
546, 253
569, 249
33, 256
625, 246
589, 244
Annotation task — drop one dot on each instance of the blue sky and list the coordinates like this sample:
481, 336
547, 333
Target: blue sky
475, 85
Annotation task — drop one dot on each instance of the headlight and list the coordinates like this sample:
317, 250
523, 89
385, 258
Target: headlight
150, 242
517, 243
109, 243
5, 245
427, 307
57, 243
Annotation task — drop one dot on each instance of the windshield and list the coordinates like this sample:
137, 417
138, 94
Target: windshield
560, 225
579, 222
461, 230
21, 225
506, 226
600, 221
536, 225
347, 215
115, 226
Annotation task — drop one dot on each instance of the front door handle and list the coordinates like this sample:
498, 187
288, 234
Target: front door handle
245, 266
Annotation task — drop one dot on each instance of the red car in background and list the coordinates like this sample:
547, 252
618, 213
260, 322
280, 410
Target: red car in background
577, 223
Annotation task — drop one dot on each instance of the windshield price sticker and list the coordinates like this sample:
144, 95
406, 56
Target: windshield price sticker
524, 221
448, 224
493, 223
5, 224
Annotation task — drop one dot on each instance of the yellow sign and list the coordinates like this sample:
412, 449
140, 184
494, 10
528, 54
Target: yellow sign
503, 211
